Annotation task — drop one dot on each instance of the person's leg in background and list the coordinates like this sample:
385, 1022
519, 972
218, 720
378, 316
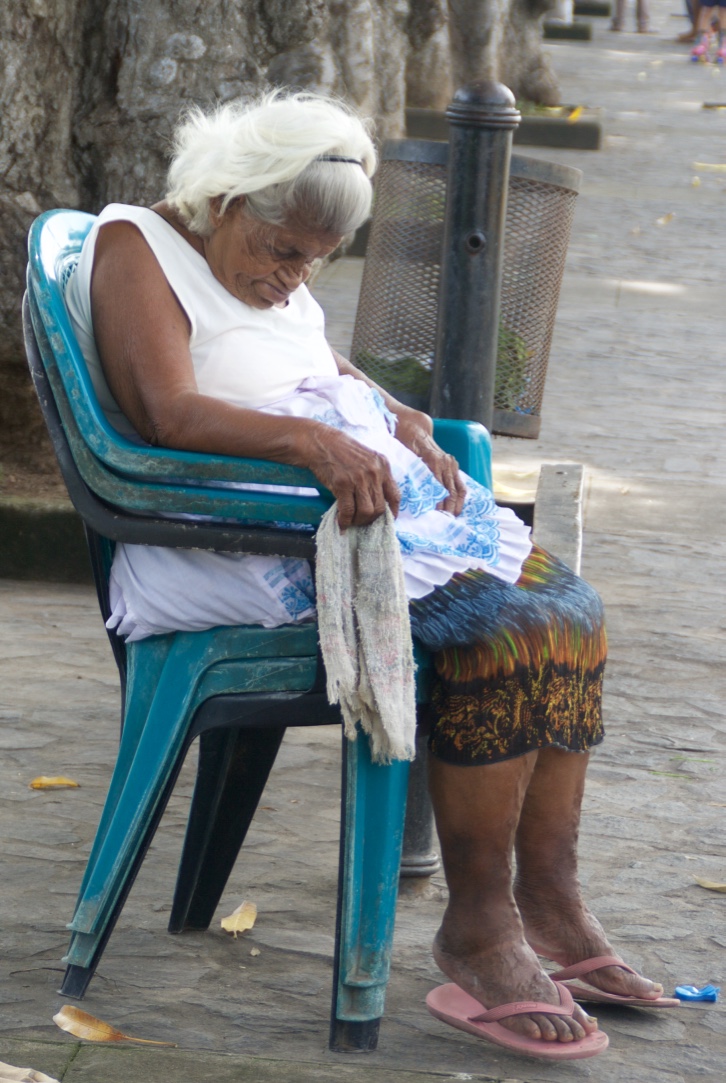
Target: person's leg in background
703, 32
721, 54
619, 16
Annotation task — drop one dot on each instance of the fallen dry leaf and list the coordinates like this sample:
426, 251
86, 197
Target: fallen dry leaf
84, 1025
52, 782
241, 919
575, 115
710, 885
255, 952
11, 1074
665, 219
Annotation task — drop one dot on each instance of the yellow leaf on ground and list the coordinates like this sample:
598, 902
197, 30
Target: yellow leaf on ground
84, 1025
241, 919
575, 115
710, 885
52, 782
9, 1074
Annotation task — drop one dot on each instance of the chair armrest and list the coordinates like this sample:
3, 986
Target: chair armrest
470, 444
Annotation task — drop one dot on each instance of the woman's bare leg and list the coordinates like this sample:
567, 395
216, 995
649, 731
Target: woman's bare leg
547, 890
481, 944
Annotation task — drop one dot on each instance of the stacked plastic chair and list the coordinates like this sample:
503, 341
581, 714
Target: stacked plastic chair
235, 688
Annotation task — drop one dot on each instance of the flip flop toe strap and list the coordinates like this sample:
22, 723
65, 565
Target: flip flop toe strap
588, 966
526, 1007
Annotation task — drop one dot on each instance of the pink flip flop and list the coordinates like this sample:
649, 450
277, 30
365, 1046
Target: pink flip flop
452, 1005
592, 995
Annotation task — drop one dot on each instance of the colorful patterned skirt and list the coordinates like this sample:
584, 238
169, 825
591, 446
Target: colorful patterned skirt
518, 666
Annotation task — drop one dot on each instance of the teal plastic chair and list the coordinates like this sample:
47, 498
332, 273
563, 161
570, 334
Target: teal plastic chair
236, 688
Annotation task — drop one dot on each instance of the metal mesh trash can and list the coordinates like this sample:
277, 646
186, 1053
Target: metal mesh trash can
395, 329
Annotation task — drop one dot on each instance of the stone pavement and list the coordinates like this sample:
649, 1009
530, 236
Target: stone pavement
636, 393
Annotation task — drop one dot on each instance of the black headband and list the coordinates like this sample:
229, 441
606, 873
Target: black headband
337, 158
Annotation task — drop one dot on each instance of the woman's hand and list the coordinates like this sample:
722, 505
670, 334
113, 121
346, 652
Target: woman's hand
414, 429
359, 479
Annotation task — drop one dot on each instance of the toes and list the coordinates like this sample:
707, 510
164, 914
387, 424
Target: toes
567, 1029
525, 1025
614, 979
586, 1023
548, 1028
575, 1029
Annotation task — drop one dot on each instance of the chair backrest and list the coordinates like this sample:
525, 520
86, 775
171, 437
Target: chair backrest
136, 476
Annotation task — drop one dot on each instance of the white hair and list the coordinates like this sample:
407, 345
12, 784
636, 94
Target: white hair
282, 153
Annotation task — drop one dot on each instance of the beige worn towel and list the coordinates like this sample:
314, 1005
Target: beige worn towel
365, 633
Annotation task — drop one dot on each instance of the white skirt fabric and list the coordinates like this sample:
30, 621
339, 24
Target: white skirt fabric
155, 590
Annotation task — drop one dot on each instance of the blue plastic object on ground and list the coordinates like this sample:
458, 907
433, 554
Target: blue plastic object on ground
707, 993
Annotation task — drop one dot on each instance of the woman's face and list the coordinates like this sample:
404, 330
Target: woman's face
262, 264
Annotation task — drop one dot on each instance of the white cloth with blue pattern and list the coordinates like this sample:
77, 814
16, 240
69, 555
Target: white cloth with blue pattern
157, 590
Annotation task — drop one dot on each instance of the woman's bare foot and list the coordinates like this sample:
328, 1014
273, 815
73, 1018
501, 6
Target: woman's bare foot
559, 926
556, 921
496, 966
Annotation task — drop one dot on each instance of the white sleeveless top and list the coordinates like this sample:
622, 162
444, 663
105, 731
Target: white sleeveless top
247, 356
276, 360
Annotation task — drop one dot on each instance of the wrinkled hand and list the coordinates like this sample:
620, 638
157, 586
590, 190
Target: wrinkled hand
414, 429
359, 479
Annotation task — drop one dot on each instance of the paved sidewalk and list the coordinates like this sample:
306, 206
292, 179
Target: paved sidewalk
637, 393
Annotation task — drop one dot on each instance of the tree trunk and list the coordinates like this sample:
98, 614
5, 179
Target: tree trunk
523, 65
39, 72
90, 92
429, 83
498, 40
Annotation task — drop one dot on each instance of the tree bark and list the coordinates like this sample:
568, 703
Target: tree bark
429, 82
498, 40
523, 65
39, 61
90, 92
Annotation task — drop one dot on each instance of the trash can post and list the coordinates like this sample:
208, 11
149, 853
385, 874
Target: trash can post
419, 860
482, 118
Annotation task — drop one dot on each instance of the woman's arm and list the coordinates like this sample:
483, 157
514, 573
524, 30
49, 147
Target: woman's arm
142, 335
415, 429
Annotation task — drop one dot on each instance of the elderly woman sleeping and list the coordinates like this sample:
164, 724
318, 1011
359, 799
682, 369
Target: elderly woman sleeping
200, 334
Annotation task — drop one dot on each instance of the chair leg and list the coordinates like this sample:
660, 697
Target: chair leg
146, 661
233, 769
373, 804
145, 769
78, 977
